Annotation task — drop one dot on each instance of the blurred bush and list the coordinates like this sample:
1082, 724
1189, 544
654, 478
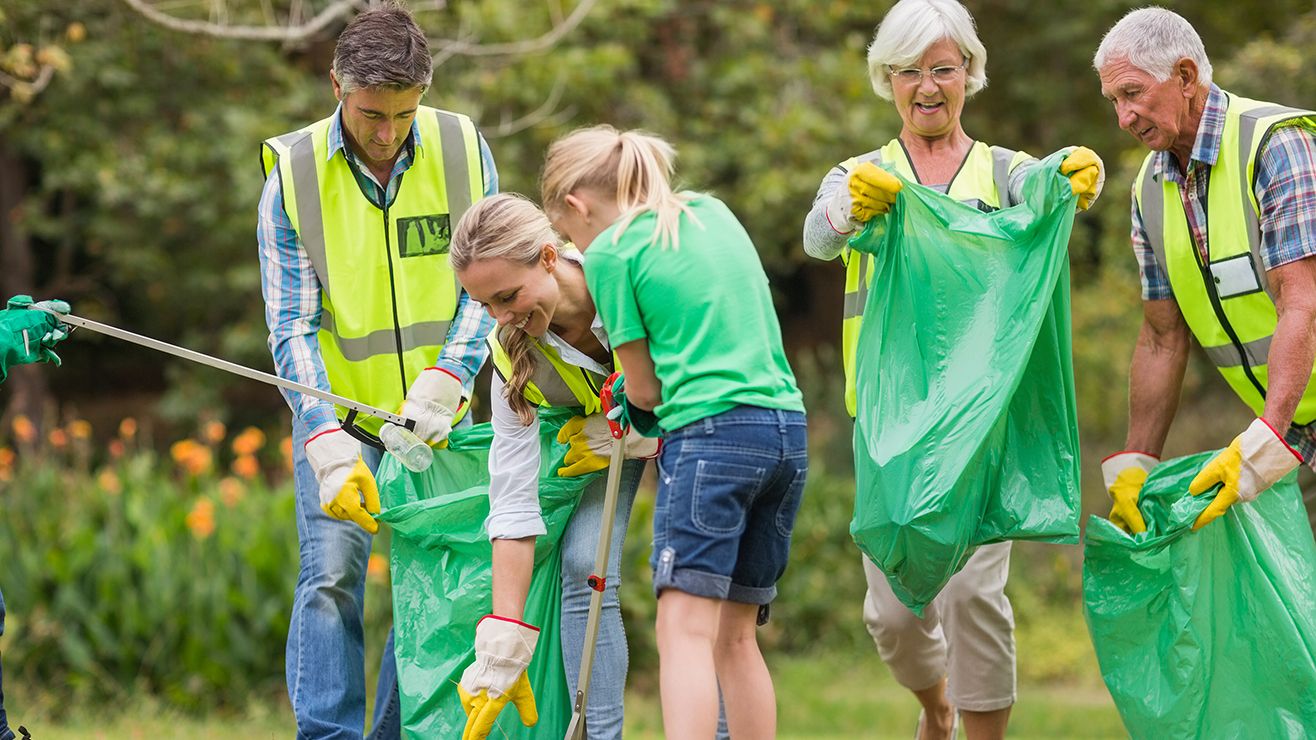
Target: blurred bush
126, 572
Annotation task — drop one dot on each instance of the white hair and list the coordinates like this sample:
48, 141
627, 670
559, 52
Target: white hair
914, 25
1153, 40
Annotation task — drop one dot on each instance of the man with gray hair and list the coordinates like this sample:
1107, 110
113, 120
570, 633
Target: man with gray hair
1224, 227
354, 225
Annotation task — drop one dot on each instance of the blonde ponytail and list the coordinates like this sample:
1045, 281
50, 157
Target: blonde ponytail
506, 226
632, 167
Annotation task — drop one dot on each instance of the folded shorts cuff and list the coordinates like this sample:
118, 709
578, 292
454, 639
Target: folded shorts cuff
693, 582
751, 594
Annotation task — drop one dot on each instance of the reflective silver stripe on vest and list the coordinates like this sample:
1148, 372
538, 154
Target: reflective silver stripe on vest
551, 386
1152, 206
1226, 355
1001, 159
384, 341
1247, 125
854, 302
456, 173
306, 183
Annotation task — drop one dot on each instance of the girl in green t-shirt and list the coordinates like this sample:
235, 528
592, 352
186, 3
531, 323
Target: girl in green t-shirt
685, 302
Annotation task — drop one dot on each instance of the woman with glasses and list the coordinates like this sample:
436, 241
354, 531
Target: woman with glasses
926, 58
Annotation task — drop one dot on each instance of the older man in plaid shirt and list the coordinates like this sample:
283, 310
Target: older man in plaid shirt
1224, 226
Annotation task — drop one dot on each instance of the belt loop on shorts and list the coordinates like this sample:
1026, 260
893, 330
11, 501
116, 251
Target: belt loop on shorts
781, 421
709, 426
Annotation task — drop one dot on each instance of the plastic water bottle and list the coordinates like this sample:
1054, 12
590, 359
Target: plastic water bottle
409, 449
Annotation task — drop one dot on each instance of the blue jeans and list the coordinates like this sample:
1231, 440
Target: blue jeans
729, 489
325, 666
5, 732
580, 542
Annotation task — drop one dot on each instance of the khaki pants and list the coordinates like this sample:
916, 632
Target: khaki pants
966, 633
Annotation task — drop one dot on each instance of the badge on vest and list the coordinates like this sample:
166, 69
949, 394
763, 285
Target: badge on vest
419, 236
1235, 276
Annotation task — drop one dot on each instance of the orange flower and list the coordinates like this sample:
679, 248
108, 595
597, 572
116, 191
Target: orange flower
128, 427
80, 428
6, 458
250, 440
201, 519
246, 466
231, 491
191, 456
377, 568
214, 432
24, 430
286, 448
116, 449
109, 482
59, 439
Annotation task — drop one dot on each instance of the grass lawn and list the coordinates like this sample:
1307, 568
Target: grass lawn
829, 696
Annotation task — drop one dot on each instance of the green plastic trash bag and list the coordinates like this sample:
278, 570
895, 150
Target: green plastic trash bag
442, 581
1207, 634
966, 431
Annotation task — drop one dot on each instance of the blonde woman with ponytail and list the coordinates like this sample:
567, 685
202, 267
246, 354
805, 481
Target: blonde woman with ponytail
549, 350
686, 305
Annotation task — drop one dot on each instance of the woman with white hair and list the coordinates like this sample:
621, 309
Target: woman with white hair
926, 58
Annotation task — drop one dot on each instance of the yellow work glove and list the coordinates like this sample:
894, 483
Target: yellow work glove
869, 191
1124, 473
503, 649
1256, 460
1087, 175
589, 443
347, 488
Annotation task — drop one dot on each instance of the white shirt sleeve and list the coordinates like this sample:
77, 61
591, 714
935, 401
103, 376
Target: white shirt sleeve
513, 473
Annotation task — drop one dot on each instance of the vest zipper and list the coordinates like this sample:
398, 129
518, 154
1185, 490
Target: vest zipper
393, 297
1203, 266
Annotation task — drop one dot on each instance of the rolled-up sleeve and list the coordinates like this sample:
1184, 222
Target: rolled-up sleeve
513, 473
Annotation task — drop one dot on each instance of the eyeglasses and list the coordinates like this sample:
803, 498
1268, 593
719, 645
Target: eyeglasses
914, 75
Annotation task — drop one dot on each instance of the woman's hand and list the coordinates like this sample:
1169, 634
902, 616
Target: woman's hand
1086, 172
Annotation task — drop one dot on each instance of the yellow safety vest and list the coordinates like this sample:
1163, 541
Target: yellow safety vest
388, 294
554, 383
1225, 299
983, 181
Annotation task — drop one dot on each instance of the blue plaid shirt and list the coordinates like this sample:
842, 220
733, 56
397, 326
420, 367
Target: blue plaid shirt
1286, 191
292, 291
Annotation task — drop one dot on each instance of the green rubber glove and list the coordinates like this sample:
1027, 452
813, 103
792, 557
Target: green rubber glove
27, 335
621, 411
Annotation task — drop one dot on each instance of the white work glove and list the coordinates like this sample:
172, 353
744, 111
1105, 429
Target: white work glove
1256, 460
1124, 473
591, 441
432, 402
503, 649
868, 191
347, 488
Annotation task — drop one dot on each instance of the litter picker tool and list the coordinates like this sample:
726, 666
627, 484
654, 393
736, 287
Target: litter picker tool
598, 580
397, 435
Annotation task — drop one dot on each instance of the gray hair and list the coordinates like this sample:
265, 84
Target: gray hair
383, 47
914, 25
1153, 40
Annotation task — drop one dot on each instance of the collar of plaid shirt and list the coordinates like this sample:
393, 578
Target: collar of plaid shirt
1206, 147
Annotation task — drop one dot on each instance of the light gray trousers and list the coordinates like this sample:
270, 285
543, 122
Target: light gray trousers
966, 633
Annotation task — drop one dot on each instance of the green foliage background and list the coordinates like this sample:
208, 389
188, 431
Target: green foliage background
130, 186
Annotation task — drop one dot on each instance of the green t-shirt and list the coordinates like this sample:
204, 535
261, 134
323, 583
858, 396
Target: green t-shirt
705, 309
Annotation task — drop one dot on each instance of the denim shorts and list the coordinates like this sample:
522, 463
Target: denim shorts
729, 487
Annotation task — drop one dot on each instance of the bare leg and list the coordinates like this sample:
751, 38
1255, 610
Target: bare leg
687, 679
938, 714
985, 725
751, 703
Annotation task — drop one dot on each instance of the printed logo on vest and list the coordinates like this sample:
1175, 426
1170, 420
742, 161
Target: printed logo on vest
419, 236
